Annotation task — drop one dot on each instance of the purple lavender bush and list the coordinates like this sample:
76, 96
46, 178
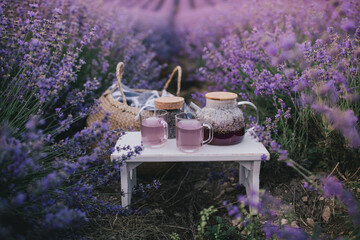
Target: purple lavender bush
273, 222
55, 58
298, 61
304, 75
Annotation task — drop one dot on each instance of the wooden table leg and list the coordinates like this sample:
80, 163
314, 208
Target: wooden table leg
127, 181
249, 174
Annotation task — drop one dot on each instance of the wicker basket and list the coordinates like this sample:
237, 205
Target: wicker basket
122, 116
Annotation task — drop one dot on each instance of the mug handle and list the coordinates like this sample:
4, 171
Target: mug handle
253, 105
166, 130
211, 133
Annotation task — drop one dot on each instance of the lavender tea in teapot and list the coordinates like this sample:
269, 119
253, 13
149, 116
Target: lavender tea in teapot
222, 112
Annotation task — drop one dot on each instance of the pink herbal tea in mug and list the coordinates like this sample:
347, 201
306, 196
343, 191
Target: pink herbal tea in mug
153, 128
190, 133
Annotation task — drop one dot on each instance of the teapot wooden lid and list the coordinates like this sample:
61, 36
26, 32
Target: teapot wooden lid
221, 96
169, 103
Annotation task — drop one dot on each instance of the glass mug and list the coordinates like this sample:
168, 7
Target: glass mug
154, 127
190, 132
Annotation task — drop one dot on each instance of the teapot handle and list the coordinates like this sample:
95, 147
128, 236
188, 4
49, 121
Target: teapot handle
253, 105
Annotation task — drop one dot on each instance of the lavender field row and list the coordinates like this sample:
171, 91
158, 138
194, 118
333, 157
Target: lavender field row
297, 61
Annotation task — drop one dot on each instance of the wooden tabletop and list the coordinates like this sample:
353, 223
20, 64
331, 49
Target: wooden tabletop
247, 150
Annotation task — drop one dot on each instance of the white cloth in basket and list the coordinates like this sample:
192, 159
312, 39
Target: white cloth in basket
139, 100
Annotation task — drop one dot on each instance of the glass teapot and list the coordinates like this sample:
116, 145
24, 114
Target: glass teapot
227, 119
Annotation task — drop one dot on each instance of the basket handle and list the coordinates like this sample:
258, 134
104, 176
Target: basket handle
119, 74
178, 69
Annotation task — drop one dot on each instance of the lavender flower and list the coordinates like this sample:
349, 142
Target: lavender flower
332, 187
288, 42
288, 233
49, 171
302, 74
352, 207
63, 218
343, 121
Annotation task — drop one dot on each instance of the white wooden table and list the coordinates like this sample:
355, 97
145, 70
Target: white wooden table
248, 154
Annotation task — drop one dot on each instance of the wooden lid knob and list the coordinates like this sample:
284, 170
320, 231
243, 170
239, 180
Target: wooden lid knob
169, 103
222, 96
